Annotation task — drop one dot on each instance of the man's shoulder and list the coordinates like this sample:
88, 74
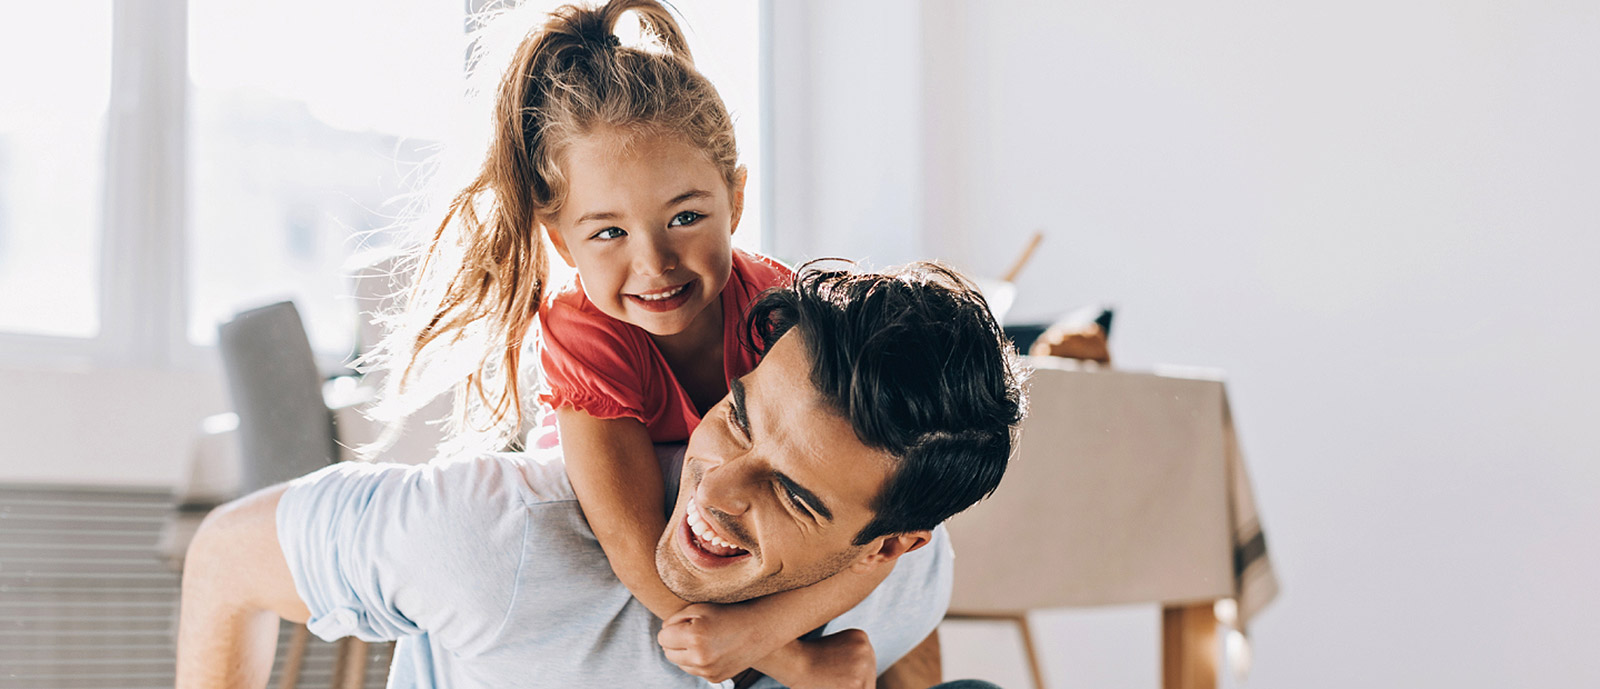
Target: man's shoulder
481, 505
530, 478
441, 547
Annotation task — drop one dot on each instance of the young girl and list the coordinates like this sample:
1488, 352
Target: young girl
626, 159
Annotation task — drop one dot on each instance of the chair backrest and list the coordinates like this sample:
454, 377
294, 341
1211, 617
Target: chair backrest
285, 429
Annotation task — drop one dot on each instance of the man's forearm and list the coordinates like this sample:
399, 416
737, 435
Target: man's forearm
236, 585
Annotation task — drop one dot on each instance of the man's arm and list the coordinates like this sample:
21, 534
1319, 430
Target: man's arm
236, 585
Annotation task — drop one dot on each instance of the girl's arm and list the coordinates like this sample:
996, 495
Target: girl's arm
614, 472
719, 641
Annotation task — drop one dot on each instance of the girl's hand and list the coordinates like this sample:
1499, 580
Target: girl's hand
715, 642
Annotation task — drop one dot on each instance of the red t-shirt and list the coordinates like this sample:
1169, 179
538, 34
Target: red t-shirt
612, 370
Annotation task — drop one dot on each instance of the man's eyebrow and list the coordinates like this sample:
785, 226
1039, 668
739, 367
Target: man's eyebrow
740, 416
809, 497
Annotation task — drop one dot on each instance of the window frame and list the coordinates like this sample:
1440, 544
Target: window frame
140, 294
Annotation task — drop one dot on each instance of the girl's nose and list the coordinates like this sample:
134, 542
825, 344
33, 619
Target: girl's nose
654, 258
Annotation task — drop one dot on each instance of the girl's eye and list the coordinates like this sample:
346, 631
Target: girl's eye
609, 233
685, 218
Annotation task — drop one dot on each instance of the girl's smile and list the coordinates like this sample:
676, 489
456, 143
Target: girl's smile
663, 300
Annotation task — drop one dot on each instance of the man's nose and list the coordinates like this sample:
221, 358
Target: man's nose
654, 256
724, 487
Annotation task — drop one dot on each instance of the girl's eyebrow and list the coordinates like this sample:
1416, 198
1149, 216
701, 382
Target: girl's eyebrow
689, 195
596, 215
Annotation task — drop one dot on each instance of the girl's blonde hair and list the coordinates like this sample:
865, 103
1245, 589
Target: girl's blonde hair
477, 284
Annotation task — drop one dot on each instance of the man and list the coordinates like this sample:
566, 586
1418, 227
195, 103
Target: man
885, 404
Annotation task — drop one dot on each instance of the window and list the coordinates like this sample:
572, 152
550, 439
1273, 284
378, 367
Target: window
52, 133
307, 121
283, 137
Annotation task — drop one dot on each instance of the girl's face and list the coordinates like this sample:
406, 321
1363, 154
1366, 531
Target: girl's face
649, 226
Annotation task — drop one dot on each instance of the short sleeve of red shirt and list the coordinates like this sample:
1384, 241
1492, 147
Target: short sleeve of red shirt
611, 369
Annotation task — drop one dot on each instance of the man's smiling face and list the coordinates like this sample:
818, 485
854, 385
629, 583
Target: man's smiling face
775, 488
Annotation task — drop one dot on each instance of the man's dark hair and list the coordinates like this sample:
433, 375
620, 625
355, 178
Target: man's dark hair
914, 360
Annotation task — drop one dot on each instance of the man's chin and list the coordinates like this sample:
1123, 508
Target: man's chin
689, 583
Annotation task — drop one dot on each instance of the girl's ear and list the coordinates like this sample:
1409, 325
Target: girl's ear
557, 242
741, 176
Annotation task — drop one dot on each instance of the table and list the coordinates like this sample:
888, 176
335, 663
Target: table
1127, 487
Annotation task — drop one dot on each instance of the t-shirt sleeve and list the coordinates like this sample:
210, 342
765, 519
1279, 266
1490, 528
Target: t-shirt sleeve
590, 364
381, 551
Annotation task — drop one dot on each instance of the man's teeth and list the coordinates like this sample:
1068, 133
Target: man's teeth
698, 525
663, 295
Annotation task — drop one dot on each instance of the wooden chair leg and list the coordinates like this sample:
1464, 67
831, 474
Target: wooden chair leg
351, 671
289, 676
1189, 647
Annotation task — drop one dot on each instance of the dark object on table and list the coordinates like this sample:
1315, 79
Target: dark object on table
1104, 321
1022, 335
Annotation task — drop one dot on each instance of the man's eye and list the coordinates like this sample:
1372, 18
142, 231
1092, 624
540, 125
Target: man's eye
798, 502
609, 233
733, 425
685, 218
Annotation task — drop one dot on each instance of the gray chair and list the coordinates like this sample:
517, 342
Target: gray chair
285, 428
285, 431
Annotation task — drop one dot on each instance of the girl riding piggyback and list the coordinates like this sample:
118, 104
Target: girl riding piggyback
625, 159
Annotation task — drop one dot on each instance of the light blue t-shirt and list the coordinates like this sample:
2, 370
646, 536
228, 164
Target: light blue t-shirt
487, 575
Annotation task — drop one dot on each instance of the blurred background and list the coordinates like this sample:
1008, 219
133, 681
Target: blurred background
1381, 220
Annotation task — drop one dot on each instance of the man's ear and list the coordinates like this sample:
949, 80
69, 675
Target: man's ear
741, 176
557, 242
887, 549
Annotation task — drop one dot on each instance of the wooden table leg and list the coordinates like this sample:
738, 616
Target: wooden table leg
1033, 654
1189, 647
1028, 650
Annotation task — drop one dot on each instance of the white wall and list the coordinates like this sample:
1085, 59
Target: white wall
1382, 218
845, 150
100, 426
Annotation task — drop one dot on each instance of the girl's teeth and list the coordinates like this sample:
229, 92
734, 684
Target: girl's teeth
663, 295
